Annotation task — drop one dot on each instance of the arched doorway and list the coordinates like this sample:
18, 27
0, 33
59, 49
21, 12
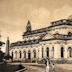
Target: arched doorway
15, 54
34, 51
20, 53
70, 51
29, 54
24, 54
12, 54
62, 52
47, 52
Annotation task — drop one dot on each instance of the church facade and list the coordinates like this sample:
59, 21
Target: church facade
53, 42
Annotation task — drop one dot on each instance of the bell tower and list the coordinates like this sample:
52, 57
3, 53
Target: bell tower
28, 27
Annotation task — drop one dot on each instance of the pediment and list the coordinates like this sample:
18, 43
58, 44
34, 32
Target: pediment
48, 36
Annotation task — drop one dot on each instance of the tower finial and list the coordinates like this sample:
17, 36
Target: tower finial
7, 38
28, 22
28, 27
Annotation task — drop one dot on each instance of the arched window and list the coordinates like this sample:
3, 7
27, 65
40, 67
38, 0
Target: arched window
62, 52
15, 54
42, 52
70, 51
29, 54
69, 33
24, 54
34, 51
12, 54
47, 52
20, 53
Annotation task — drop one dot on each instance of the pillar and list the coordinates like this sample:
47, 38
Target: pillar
65, 51
40, 52
57, 51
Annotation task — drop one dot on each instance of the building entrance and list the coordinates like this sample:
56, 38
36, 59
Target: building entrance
29, 55
62, 52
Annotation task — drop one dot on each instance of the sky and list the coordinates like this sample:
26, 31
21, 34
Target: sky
14, 15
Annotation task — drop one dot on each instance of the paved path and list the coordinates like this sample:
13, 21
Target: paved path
41, 69
34, 69
63, 68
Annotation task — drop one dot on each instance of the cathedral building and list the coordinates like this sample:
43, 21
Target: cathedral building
53, 42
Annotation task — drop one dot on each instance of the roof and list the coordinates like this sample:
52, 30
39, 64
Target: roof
30, 42
56, 36
53, 24
22, 43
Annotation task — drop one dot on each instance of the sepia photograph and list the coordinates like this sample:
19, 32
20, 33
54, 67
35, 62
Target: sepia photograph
35, 35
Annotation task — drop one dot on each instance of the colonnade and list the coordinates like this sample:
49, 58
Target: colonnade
40, 53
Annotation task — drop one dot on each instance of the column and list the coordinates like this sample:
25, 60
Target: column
32, 54
65, 51
18, 55
57, 51
26, 54
37, 53
40, 52
44, 53
50, 51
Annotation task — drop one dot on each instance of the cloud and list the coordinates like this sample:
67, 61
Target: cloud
40, 17
14, 15
62, 13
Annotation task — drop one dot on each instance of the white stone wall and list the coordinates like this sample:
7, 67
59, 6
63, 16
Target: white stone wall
56, 54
